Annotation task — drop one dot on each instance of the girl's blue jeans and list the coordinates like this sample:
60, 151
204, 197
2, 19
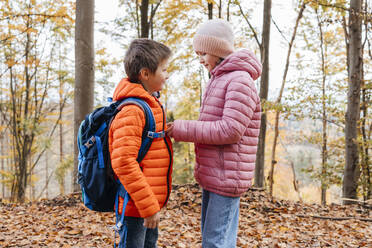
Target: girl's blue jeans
219, 220
138, 236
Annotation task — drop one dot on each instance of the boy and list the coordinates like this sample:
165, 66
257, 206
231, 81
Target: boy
148, 182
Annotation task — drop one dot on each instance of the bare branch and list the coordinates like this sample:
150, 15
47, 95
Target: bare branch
11, 17
50, 135
280, 31
153, 11
249, 24
334, 218
45, 186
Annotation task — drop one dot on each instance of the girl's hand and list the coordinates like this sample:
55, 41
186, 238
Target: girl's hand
169, 131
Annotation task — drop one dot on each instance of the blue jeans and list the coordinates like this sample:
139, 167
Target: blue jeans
219, 220
138, 236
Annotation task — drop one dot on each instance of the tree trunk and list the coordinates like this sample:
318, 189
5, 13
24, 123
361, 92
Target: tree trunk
210, 11
23, 137
259, 178
46, 175
2, 140
295, 182
137, 20
365, 160
324, 185
152, 23
2, 154
220, 10
228, 11
277, 113
13, 159
367, 146
30, 184
351, 171
60, 110
145, 27
84, 69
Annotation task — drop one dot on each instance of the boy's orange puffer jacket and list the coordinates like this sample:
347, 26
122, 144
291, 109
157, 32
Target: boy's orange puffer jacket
148, 183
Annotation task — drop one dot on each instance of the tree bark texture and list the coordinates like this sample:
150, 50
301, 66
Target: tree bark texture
84, 69
210, 11
259, 179
351, 171
365, 130
220, 9
145, 27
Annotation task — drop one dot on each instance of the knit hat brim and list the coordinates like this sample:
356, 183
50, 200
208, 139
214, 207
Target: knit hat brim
212, 45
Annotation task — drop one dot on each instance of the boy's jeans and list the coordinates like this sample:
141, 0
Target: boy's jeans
138, 236
219, 220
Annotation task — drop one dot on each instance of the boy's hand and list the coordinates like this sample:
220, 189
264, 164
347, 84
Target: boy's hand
152, 221
169, 130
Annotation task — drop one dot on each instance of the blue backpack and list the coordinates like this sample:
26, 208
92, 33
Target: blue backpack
100, 191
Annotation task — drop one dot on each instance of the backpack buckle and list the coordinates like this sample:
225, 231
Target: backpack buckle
153, 135
90, 142
117, 227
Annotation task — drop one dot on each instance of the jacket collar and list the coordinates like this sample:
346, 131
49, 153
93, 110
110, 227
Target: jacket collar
241, 60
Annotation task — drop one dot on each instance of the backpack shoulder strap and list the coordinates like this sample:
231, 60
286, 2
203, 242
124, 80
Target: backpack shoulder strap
148, 133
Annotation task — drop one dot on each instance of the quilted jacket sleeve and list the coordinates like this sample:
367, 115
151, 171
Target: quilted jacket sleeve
127, 130
240, 104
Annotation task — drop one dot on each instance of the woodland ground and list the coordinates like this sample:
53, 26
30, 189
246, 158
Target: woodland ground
264, 222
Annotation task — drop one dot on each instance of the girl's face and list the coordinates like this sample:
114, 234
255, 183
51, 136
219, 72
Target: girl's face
208, 60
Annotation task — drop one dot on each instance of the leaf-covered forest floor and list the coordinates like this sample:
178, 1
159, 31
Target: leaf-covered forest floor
65, 222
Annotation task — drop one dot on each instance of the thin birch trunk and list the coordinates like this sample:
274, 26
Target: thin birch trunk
278, 101
324, 117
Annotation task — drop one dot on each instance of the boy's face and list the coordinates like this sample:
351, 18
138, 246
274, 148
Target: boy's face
208, 60
157, 80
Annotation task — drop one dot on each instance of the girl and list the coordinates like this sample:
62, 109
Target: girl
226, 134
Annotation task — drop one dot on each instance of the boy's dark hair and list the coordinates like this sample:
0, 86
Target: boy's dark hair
144, 53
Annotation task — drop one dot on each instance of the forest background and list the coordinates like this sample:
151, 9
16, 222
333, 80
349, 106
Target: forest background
306, 48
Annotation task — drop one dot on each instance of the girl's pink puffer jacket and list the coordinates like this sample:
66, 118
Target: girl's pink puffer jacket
226, 134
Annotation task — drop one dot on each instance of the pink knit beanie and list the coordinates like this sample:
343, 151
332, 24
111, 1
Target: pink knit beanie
215, 37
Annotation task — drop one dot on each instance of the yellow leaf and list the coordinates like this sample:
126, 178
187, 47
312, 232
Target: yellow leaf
74, 232
10, 62
101, 51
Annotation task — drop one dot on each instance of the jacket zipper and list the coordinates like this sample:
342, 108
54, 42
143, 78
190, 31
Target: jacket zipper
170, 156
